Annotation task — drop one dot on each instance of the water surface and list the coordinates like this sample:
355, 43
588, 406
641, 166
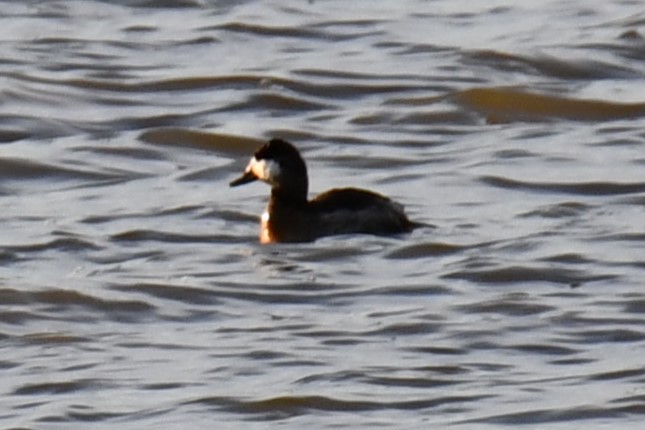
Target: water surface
134, 294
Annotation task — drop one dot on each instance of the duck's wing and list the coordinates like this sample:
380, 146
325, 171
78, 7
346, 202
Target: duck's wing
350, 199
352, 210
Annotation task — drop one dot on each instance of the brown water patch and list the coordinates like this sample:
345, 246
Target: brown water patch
226, 144
509, 105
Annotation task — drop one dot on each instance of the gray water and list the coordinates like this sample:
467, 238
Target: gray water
133, 290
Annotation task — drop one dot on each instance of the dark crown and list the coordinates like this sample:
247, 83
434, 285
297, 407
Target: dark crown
276, 149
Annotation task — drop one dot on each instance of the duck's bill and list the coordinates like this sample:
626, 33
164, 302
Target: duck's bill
244, 179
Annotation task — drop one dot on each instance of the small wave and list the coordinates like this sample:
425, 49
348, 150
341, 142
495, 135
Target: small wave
50, 388
550, 66
582, 189
69, 304
517, 274
558, 210
61, 244
556, 415
16, 171
509, 305
180, 293
225, 144
422, 250
169, 237
7, 136
288, 406
636, 374
292, 32
606, 336
275, 102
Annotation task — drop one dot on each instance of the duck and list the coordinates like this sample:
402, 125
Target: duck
291, 217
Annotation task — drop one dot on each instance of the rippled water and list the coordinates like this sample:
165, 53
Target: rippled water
134, 294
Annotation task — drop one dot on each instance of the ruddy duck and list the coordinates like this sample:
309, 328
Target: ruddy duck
290, 217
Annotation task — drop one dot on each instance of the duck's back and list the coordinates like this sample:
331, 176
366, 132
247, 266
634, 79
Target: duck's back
352, 210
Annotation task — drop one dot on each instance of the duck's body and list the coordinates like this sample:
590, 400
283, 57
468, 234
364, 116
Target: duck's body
290, 217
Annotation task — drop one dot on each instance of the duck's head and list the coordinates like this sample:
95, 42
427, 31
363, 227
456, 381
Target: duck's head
279, 164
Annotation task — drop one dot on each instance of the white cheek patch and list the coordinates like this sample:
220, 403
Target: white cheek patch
264, 170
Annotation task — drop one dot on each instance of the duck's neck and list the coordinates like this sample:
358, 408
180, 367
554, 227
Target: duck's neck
290, 195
